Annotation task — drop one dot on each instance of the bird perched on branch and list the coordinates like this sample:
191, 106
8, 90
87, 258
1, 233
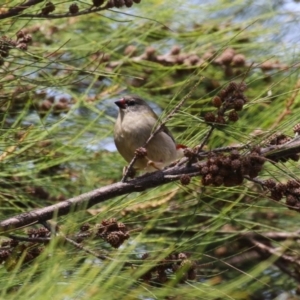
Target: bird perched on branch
135, 123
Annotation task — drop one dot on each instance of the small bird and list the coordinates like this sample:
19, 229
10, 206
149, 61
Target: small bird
134, 125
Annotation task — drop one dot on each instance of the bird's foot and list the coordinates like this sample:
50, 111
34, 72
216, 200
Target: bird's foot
154, 165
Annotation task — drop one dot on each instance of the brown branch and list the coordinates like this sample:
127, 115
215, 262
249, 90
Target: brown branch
281, 151
86, 250
283, 260
273, 236
263, 251
65, 15
16, 11
271, 251
284, 268
41, 240
102, 194
19, 8
138, 184
207, 136
259, 236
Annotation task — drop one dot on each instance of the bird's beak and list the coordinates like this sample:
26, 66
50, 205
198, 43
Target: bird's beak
121, 103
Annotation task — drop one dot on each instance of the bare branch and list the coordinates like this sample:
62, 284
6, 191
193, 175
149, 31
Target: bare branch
138, 184
89, 199
19, 8
280, 151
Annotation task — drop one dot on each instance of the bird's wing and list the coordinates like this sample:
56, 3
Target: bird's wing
167, 131
164, 128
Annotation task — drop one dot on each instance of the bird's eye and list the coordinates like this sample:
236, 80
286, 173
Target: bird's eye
131, 102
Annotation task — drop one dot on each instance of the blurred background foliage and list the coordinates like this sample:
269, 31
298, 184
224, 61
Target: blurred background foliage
57, 112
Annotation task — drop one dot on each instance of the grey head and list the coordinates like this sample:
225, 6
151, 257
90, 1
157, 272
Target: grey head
132, 103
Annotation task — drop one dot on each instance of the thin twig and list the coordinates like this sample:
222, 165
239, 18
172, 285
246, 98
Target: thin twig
18, 9
237, 269
80, 247
284, 268
207, 136
270, 251
54, 229
15, 11
29, 239
255, 180
229, 148
278, 151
